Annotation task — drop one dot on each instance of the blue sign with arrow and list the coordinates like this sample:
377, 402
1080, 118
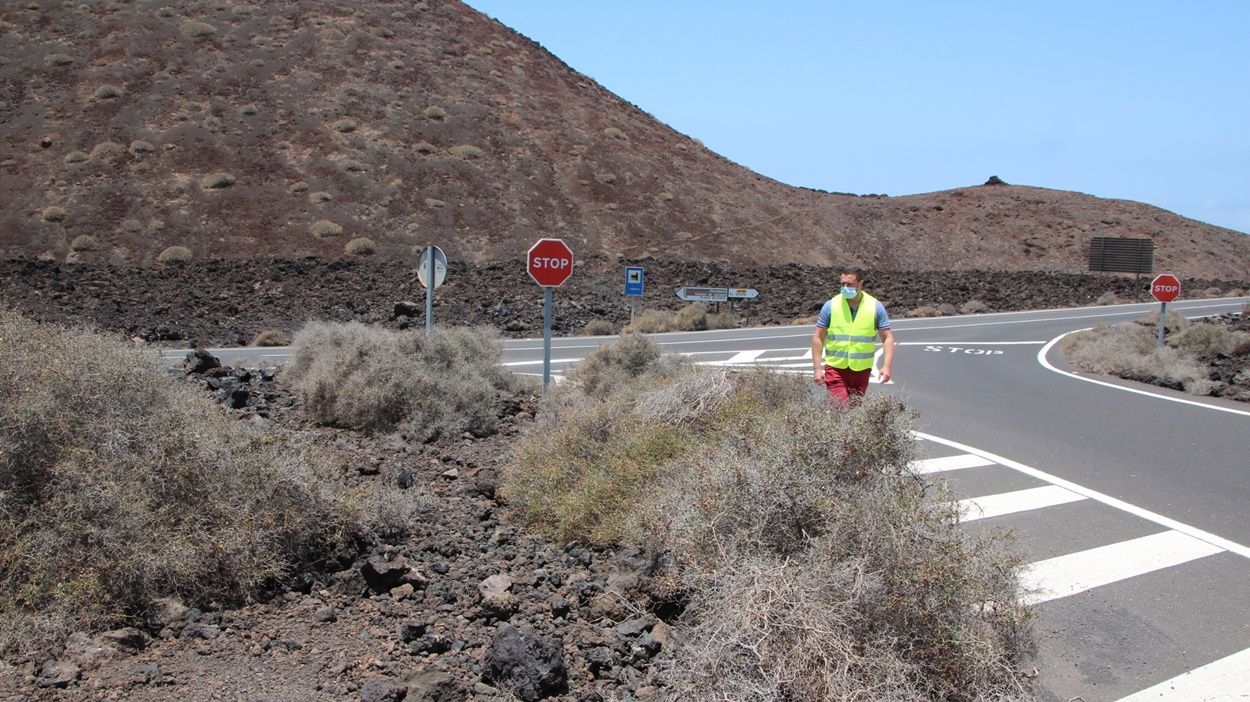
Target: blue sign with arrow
634, 277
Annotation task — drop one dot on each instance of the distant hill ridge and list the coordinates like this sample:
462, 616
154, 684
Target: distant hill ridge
313, 127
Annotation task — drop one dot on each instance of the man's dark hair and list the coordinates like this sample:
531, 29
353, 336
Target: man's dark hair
860, 274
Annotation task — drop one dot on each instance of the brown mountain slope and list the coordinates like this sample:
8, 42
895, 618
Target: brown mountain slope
284, 129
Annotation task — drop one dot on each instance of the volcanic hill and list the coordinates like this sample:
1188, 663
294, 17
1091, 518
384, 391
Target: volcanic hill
228, 129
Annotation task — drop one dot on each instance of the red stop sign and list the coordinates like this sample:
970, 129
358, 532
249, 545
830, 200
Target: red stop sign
550, 262
1166, 288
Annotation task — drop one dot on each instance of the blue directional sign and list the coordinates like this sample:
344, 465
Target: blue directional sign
634, 277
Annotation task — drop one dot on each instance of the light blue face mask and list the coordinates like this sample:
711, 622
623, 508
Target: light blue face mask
848, 292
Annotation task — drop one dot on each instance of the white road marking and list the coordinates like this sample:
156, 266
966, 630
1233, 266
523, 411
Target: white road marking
1218, 542
945, 463
969, 343
1220, 681
1013, 502
1041, 358
745, 356
1073, 573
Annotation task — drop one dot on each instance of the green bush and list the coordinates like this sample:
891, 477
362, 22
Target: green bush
120, 485
815, 564
376, 380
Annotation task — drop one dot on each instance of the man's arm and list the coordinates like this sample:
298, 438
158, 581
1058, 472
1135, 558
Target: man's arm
887, 344
818, 349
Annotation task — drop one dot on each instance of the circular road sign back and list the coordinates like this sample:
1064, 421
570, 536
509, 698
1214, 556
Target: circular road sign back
1166, 288
550, 262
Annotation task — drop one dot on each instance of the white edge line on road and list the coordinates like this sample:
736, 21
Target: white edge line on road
1168, 522
1041, 358
1222, 680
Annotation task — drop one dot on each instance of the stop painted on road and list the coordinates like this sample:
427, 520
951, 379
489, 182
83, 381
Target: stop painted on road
964, 350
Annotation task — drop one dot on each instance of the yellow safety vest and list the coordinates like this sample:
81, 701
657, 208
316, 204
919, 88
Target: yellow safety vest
851, 342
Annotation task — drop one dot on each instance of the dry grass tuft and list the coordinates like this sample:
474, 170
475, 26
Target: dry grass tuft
54, 214
119, 485
1107, 298
376, 380
83, 242
435, 113
924, 311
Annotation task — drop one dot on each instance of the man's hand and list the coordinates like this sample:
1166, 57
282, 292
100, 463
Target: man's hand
885, 375
819, 376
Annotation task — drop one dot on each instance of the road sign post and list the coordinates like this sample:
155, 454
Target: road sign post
635, 279
1165, 288
431, 271
550, 263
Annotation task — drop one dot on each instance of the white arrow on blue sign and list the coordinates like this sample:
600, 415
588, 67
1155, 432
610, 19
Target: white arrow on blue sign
635, 278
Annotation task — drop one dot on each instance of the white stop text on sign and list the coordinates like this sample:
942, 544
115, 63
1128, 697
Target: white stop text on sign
551, 263
1167, 288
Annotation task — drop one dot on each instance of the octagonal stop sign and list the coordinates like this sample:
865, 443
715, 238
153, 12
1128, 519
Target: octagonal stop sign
1165, 287
550, 262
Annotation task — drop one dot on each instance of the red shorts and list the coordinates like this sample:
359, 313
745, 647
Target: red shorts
846, 385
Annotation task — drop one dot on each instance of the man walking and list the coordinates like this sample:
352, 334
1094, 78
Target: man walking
845, 340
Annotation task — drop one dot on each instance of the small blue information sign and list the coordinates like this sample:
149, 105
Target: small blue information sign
634, 277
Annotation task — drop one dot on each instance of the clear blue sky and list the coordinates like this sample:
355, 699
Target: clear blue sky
1146, 100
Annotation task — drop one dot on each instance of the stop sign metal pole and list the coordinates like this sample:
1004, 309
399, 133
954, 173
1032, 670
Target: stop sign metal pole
1163, 313
546, 337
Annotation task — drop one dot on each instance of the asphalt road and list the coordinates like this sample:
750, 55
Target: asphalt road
1128, 500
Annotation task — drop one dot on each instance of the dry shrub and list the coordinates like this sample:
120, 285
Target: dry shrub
467, 151
945, 309
174, 254
360, 246
83, 242
612, 365
107, 92
217, 181
269, 337
120, 485
924, 311
1107, 298
1130, 351
598, 327
651, 322
692, 317
435, 112
1207, 339
197, 30
815, 564
801, 321
376, 380
324, 229
973, 307
54, 214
